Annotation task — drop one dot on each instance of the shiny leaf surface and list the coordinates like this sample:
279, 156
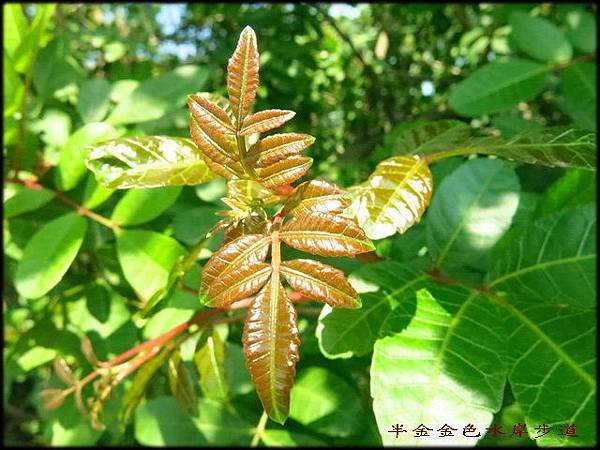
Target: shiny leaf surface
284, 171
317, 196
262, 121
242, 75
148, 161
277, 147
231, 286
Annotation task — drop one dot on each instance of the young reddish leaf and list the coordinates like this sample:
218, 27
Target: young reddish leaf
325, 235
248, 249
271, 344
284, 171
317, 196
320, 282
211, 115
265, 121
236, 285
219, 150
242, 75
253, 224
277, 147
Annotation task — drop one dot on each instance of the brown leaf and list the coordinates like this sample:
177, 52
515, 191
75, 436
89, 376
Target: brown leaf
320, 282
63, 371
265, 121
211, 115
52, 398
248, 249
325, 235
236, 285
317, 196
271, 344
242, 75
219, 151
284, 171
277, 147
253, 224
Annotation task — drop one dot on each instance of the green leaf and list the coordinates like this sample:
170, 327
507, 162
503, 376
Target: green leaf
148, 161
582, 30
71, 162
393, 198
578, 85
497, 86
24, 200
344, 333
288, 438
552, 369
33, 39
154, 97
142, 205
146, 258
49, 254
512, 124
181, 383
539, 38
470, 212
209, 360
14, 26
114, 51
447, 366
161, 421
550, 261
54, 69
191, 224
13, 88
95, 194
326, 403
430, 137
93, 100
574, 188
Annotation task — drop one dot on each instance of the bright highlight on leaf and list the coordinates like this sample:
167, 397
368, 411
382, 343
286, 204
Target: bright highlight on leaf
148, 161
393, 198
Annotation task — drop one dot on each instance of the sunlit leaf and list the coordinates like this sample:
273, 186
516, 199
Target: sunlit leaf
231, 286
320, 282
430, 137
248, 249
242, 75
210, 362
325, 235
284, 171
393, 198
271, 347
181, 384
277, 147
49, 254
317, 196
142, 205
148, 161
526, 32
210, 114
265, 120
24, 200
447, 366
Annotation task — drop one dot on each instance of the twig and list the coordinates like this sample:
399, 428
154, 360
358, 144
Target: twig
259, 430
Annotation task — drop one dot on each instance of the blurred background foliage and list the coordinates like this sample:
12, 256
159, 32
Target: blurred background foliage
357, 75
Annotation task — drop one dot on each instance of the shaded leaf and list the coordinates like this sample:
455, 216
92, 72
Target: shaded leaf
552, 260
248, 249
325, 235
393, 198
271, 344
242, 75
582, 30
265, 120
574, 188
49, 254
539, 38
24, 199
148, 161
180, 382
93, 100
94, 194
498, 85
320, 282
578, 85
441, 368
552, 369
142, 205
210, 362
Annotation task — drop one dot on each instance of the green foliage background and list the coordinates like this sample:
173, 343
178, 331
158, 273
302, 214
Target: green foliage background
359, 77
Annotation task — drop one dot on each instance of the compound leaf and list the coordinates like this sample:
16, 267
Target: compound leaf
277, 147
430, 137
242, 75
325, 235
283, 171
317, 196
148, 161
210, 114
393, 198
271, 344
265, 120
320, 282
231, 285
